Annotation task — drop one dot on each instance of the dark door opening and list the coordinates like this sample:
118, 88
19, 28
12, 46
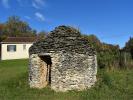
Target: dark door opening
47, 60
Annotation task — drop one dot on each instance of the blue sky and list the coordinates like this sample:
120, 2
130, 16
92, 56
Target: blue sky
110, 20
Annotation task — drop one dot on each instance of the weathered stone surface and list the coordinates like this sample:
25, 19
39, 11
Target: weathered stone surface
65, 39
65, 59
37, 74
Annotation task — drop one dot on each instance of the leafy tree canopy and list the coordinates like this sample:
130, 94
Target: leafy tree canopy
41, 35
107, 54
16, 27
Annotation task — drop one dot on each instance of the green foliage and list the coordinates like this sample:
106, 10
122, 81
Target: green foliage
106, 79
41, 35
107, 54
112, 85
1, 28
94, 41
126, 59
16, 27
129, 46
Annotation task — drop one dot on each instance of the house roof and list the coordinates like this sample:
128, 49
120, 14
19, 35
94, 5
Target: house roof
19, 39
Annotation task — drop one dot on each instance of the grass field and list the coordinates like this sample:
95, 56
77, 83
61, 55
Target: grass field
113, 85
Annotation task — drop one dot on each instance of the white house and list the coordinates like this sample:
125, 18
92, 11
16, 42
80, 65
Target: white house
15, 47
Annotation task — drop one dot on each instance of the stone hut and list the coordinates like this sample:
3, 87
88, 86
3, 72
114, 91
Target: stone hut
64, 60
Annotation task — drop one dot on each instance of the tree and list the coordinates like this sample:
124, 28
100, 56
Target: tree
107, 54
94, 41
15, 27
1, 29
41, 35
129, 46
2, 37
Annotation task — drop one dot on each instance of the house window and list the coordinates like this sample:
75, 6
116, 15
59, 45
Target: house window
11, 48
24, 47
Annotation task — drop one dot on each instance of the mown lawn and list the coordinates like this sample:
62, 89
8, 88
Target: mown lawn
113, 85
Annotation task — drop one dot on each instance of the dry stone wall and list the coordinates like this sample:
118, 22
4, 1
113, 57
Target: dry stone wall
73, 71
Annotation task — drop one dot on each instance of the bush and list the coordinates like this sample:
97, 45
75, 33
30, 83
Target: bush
107, 54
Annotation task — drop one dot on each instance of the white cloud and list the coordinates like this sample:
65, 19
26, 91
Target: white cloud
35, 5
5, 3
38, 4
27, 17
40, 16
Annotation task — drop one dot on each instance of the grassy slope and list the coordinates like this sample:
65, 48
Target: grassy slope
114, 85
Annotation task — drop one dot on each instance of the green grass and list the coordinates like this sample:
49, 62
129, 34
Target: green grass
112, 85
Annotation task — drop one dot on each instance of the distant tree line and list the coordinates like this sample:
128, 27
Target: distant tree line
15, 27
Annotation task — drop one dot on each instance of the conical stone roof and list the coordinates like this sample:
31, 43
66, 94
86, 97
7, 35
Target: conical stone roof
63, 38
